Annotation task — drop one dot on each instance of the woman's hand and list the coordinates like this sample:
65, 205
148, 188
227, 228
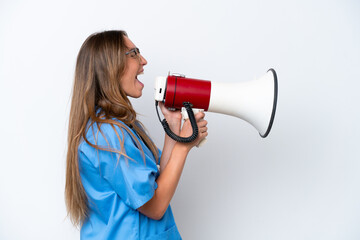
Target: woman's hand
186, 130
173, 118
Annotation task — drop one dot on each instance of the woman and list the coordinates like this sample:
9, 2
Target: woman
118, 184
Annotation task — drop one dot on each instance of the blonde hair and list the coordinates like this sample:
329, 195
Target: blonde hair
97, 97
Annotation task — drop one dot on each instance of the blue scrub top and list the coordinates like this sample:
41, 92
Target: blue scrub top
116, 187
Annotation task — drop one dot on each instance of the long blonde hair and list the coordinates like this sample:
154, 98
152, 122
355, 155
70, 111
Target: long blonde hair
97, 98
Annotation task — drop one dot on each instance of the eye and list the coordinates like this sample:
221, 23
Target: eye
133, 54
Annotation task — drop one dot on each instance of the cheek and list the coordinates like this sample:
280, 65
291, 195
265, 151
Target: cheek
125, 82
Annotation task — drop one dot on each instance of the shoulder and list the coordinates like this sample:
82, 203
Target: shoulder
107, 135
111, 129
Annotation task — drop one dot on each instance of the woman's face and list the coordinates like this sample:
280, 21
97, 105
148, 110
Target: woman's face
134, 67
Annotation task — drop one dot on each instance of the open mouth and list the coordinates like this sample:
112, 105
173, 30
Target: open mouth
138, 78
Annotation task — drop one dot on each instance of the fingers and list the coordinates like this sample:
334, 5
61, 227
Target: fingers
203, 130
163, 108
199, 116
161, 105
186, 130
202, 136
202, 126
202, 123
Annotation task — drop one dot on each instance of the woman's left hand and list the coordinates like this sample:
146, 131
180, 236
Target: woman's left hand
173, 118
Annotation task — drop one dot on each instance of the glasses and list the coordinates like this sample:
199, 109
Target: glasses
135, 52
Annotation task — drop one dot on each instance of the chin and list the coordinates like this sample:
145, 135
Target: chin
135, 95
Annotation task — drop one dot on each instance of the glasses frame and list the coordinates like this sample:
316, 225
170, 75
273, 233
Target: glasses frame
133, 50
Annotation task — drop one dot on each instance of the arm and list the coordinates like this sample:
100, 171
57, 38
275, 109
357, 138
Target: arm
166, 152
174, 120
170, 175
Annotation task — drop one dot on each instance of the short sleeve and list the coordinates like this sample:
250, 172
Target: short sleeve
132, 177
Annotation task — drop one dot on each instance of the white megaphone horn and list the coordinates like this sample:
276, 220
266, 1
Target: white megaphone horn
253, 101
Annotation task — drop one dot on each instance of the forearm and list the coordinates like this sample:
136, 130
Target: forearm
166, 152
169, 144
167, 183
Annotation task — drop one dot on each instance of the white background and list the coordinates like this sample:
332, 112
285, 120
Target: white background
302, 182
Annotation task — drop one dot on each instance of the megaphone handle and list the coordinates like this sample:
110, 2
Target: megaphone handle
192, 119
185, 116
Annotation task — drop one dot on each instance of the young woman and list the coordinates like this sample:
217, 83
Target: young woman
118, 184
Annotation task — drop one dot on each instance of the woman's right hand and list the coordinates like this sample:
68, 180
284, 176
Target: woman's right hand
187, 131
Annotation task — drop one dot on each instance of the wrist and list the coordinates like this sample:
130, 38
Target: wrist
184, 147
169, 142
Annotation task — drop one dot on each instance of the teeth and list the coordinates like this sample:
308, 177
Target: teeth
139, 74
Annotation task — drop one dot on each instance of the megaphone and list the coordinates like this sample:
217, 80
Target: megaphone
253, 101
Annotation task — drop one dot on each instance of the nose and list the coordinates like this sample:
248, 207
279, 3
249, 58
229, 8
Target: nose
142, 60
